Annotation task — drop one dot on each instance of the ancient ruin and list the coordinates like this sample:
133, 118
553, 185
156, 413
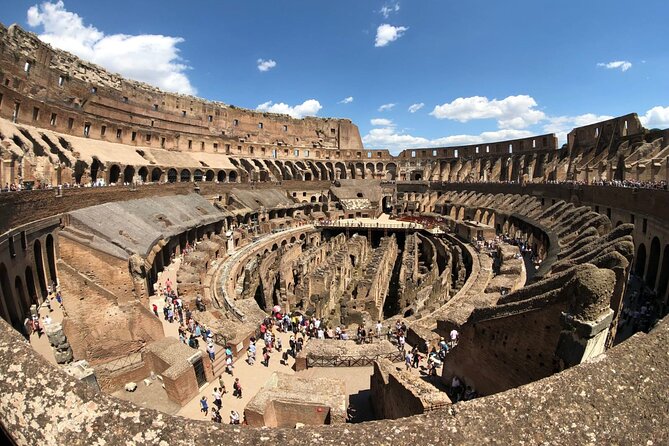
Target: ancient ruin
525, 265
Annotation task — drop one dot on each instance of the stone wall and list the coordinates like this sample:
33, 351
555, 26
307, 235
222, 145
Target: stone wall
396, 393
538, 412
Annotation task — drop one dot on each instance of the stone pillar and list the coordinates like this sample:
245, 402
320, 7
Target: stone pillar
61, 348
582, 340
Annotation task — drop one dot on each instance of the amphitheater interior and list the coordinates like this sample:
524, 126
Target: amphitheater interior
552, 264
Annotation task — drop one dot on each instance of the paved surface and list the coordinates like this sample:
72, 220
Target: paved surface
41, 343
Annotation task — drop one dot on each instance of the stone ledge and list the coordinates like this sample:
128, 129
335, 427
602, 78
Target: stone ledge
620, 397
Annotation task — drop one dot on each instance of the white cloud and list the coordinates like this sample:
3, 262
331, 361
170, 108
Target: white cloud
624, 65
386, 107
381, 122
150, 58
413, 108
394, 140
656, 117
265, 65
511, 112
310, 107
387, 33
388, 9
347, 100
561, 125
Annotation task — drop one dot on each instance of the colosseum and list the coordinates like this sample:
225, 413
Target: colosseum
506, 292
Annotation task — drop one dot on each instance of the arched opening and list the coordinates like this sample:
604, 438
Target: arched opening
14, 313
128, 174
144, 174
95, 169
198, 175
259, 297
209, 176
640, 265
156, 173
653, 262
307, 176
30, 283
221, 176
114, 174
663, 283
39, 266
233, 177
172, 176
386, 204
185, 176
51, 258
20, 293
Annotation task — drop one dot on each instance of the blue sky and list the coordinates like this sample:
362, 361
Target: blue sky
482, 69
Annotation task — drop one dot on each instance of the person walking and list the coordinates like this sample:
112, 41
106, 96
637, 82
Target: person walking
204, 407
237, 386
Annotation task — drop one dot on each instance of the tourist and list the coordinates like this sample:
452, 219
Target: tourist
204, 407
237, 389
228, 365
211, 351
455, 336
222, 385
408, 357
251, 354
216, 415
216, 395
59, 299
155, 309
234, 417
400, 342
47, 320
265, 356
416, 357
379, 327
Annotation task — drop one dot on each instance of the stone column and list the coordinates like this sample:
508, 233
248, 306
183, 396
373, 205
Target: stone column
581, 340
61, 348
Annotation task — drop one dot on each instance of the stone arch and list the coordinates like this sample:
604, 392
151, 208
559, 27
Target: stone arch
359, 169
14, 314
232, 176
143, 174
184, 176
30, 285
307, 176
340, 171
39, 266
391, 171
324, 172
128, 174
114, 173
198, 175
210, 175
663, 282
96, 167
369, 170
640, 265
331, 171
20, 294
156, 173
220, 177
653, 262
51, 258
172, 176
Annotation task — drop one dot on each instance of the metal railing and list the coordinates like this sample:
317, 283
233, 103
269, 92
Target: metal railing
352, 361
125, 362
